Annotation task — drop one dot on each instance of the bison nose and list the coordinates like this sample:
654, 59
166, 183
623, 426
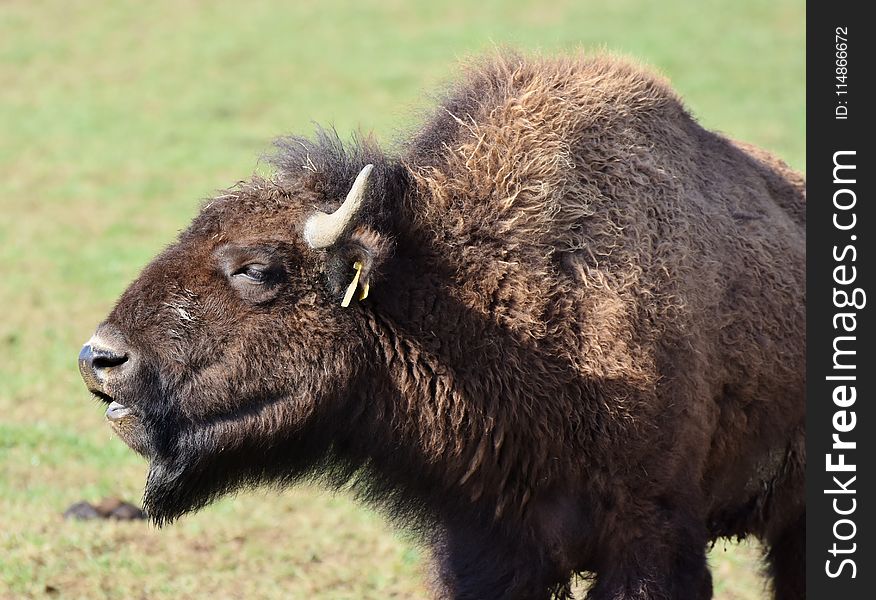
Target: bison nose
101, 358
98, 362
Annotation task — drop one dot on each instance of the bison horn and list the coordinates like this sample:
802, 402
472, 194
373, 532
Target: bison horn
322, 230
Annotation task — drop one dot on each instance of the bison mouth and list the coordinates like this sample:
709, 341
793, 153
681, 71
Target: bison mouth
117, 412
125, 423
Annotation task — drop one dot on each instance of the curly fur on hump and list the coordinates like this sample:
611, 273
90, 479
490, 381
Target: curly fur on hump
583, 348
593, 186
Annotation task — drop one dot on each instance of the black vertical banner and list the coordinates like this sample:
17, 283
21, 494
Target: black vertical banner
841, 371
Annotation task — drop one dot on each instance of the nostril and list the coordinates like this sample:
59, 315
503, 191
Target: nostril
104, 359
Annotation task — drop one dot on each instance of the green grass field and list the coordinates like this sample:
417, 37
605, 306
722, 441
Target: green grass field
118, 118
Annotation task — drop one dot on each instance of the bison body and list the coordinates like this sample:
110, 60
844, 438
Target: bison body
581, 349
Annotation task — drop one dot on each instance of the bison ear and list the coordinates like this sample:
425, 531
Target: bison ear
354, 251
353, 265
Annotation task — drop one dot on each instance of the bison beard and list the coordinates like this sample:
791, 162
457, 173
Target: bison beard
574, 341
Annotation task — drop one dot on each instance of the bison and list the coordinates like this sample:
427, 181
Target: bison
559, 331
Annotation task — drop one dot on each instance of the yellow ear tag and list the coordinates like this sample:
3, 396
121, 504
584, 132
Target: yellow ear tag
351, 289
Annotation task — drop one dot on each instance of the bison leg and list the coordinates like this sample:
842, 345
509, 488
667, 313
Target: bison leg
480, 564
787, 560
663, 559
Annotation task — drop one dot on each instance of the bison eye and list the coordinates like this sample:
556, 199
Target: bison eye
256, 273
253, 273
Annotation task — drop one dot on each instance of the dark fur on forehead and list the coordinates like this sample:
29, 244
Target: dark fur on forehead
327, 166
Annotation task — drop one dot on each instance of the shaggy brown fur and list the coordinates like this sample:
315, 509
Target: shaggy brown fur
583, 348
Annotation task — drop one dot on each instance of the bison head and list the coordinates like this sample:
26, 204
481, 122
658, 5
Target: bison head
231, 359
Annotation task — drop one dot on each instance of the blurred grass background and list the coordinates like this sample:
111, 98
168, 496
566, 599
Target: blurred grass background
117, 118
